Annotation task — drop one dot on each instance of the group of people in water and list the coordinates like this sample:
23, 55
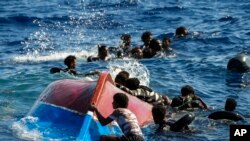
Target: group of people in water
185, 101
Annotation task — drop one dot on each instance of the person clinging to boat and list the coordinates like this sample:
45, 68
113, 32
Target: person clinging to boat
163, 119
132, 86
126, 120
188, 100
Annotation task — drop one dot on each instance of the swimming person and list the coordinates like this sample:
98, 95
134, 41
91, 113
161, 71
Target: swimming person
144, 93
229, 112
146, 38
125, 44
164, 120
70, 62
188, 100
181, 32
126, 120
102, 54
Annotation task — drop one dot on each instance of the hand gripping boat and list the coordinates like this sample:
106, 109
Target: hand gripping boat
63, 108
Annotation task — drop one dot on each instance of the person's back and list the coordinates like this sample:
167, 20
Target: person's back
126, 120
145, 93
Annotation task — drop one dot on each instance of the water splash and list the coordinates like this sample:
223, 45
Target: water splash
133, 67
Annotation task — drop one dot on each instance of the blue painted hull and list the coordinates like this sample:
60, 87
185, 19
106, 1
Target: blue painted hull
56, 123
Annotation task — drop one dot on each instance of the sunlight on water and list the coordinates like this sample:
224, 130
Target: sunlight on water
50, 57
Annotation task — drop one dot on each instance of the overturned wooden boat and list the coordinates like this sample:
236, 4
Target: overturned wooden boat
63, 108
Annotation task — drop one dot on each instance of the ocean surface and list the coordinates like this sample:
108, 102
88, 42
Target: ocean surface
36, 35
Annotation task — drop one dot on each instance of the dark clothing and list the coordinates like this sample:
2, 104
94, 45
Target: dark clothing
131, 138
181, 104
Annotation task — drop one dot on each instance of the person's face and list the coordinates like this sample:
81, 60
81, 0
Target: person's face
73, 64
165, 43
104, 52
138, 54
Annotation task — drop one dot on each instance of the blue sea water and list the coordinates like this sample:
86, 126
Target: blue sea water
36, 35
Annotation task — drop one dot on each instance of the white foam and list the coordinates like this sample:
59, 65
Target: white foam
21, 131
133, 67
49, 57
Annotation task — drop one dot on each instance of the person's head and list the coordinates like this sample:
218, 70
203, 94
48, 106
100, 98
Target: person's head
102, 51
119, 54
166, 43
230, 104
187, 90
126, 39
155, 45
70, 62
133, 83
120, 100
146, 37
181, 31
136, 53
121, 78
158, 113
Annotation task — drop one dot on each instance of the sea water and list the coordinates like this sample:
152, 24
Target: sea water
36, 35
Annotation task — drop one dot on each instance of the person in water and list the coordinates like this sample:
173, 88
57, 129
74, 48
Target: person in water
136, 53
126, 120
144, 93
121, 78
228, 113
230, 104
146, 38
102, 54
181, 32
125, 44
164, 120
70, 62
188, 100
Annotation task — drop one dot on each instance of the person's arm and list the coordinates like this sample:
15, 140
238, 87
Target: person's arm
103, 120
202, 102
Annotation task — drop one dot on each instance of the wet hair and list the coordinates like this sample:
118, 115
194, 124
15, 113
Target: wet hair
145, 36
155, 45
159, 111
230, 104
177, 101
133, 83
121, 99
186, 90
68, 60
121, 77
125, 37
136, 52
181, 31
